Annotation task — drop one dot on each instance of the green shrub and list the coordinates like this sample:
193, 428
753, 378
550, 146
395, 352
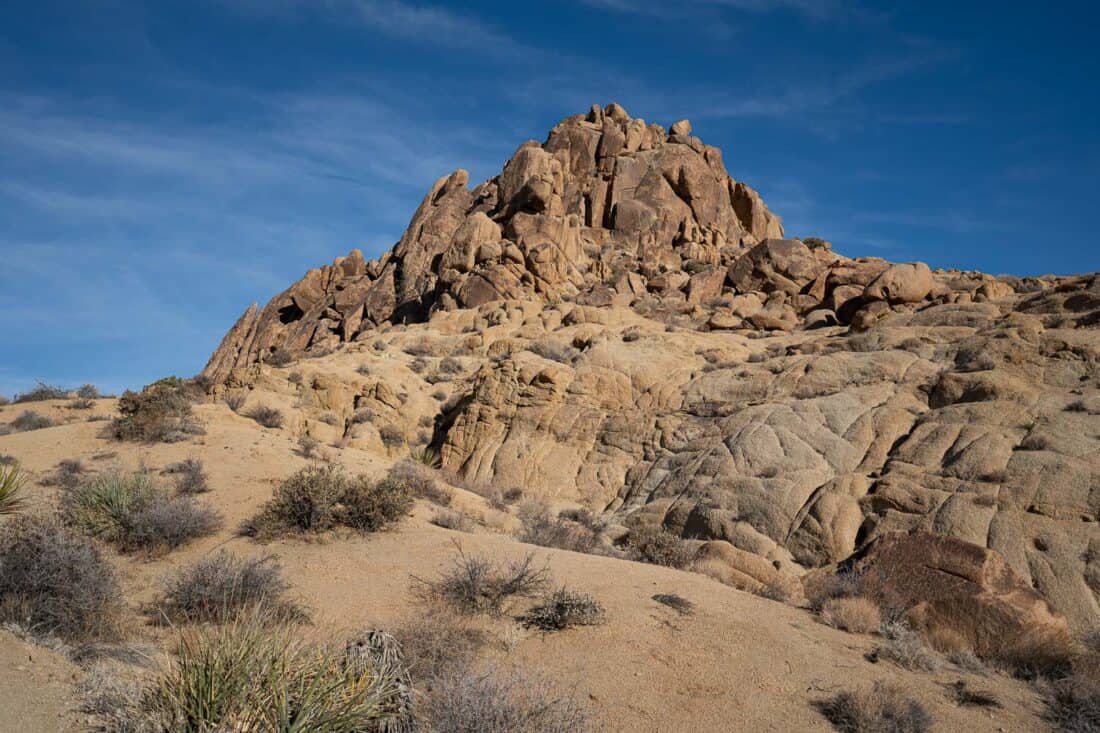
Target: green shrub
55, 582
129, 511
161, 412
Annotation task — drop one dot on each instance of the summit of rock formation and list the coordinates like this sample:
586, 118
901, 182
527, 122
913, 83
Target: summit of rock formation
631, 329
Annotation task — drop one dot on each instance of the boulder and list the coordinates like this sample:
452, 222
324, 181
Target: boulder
907, 283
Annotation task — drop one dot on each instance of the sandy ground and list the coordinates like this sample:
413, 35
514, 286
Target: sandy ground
739, 663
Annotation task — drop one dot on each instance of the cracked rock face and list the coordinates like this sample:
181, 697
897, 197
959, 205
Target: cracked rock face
645, 341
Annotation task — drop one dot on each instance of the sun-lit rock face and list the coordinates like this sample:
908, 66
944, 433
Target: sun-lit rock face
634, 333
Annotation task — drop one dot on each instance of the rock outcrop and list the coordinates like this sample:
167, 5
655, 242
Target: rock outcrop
645, 339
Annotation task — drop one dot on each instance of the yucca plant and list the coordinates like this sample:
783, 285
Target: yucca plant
104, 505
12, 481
258, 675
427, 456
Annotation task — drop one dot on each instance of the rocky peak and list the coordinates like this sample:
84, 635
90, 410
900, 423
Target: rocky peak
607, 206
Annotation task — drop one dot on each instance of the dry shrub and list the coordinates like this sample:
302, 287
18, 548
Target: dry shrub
42, 392
190, 477
66, 475
883, 708
235, 400
564, 609
54, 582
30, 420
842, 584
857, 615
420, 480
541, 527
129, 511
219, 587
456, 521
964, 696
268, 417
475, 584
676, 602
1073, 698
905, 648
497, 701
318, 498
437, 642
307, 445
280, 357
160, 412
255, 675
392, 436
657, 546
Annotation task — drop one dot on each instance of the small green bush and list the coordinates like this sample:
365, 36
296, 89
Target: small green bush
12, 481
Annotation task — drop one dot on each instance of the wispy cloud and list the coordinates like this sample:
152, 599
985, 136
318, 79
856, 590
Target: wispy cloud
658, 8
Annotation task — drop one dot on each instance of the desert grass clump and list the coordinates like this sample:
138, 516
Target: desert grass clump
268, 417
189, 476
676, 602
219, 587
564, 609
41, 393
321, 497
494, 700
475, 584
541, 527
160, 412
13, 479
31, 420
456, 521
883, 708
855, 614
658, 547
252, 675
54, 582
905, 648
131, 512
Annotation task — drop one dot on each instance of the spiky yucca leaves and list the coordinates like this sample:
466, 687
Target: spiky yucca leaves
427, 456
12, 481
254, 675
103, 505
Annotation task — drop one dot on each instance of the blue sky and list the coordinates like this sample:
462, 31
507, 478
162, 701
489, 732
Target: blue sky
164, 164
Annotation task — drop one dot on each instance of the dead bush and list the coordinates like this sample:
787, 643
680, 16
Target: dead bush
676, 602
456, 521
564, 609
54, 582
965, 696
161, 412
842, 584
42, 392
498, 701
307, 445
392, 436
905, 648
217, 588
189, 476
280, 357
657, 546
235, 400
420, 480
883, 708
857, 615
321, 497
1073, 698
268, 417
476, 584
437, 642
67, 474
541, 527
